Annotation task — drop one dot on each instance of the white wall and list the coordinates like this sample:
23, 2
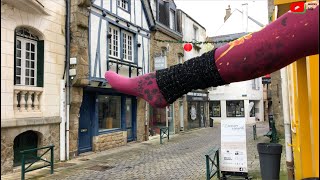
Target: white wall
51, 28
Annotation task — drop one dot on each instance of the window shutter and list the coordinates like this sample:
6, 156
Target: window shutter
40, 63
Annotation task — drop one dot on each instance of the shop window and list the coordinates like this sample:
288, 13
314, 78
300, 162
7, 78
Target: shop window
214, 109
109, 112
235, 108
29, 58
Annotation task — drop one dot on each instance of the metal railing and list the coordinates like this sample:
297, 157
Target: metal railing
38, 158
254, 132
212, 163
164, 131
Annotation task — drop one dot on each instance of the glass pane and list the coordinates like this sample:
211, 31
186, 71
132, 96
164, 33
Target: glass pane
18, 62
28, 46
27, 72
18, 53
27, 81
32, 47
32, 56
27, 64
32, 81
32, 64
18, 80
27, 55
129, 118
109, 112
32, 73
18, 44
18, 71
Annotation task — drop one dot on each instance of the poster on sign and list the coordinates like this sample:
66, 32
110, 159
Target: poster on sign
233, 145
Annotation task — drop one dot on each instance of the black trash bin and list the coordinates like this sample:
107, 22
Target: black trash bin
269, 157
211, 122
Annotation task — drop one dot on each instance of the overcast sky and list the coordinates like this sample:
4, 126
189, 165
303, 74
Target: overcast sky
210, 13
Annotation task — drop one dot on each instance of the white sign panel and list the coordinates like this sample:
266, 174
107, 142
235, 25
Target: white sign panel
160, 63
233, 145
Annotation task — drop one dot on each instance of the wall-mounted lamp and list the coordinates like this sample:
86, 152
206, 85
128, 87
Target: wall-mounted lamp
128, 25
117, 20
109, 36
139, 44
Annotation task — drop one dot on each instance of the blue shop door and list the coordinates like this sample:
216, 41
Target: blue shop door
85, 123
130, 110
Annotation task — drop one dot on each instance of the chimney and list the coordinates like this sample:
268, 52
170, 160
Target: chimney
228, 13
245, 17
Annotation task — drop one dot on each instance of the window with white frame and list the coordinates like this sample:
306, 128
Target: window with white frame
127, 46
180, 59
26, 58
195, 33
172, 19
124, 4
114, 42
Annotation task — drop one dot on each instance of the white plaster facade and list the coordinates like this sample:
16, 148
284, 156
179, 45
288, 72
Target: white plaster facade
49, 28
41, 114
251, 90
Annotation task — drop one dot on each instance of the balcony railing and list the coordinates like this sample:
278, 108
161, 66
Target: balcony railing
27, 99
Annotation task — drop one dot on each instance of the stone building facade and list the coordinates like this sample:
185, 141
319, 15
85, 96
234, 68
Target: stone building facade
166, 28
32, 66
106, 35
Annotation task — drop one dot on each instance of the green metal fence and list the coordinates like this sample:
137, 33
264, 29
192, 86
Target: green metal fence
37, 158
212, 163
164, 133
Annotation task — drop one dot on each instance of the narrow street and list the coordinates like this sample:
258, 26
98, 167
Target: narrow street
183, 157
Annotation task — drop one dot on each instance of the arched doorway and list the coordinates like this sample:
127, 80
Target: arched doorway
26, 140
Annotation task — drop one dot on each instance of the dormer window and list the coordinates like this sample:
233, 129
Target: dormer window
124, 4
172, 19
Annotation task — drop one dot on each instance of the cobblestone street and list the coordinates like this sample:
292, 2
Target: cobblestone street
183, 157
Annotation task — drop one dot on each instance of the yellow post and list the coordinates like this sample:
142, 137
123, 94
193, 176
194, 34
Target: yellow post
303, 84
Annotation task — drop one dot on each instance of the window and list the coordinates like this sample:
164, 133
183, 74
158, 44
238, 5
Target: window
180, 59
195, 33
28, 58
124, 4
252, 111
109, 112
235, 109
214, 109
255, 84
114, 42
127, 46
172, 19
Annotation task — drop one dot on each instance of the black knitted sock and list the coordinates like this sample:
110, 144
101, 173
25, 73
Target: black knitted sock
197, 73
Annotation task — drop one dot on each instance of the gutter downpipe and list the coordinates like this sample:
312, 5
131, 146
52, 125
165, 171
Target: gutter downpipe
287, 123
67, 76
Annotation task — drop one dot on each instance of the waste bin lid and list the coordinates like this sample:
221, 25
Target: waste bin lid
269, 148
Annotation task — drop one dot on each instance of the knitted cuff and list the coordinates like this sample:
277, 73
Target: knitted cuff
197, 73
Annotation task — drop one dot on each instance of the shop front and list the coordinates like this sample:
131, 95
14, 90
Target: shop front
107, 119
197, 109
161, 117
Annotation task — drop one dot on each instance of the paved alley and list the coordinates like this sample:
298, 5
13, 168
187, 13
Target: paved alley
183, 157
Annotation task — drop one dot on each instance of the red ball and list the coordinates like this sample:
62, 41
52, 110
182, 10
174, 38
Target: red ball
187, 47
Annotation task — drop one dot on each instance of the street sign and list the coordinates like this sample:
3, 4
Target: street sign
233, 145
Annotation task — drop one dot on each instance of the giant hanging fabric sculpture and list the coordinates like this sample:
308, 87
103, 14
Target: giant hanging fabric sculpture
290, 37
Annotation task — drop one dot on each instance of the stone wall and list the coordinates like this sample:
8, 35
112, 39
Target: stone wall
175, 49
110, 140
47, 134
141, 115
78, 48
